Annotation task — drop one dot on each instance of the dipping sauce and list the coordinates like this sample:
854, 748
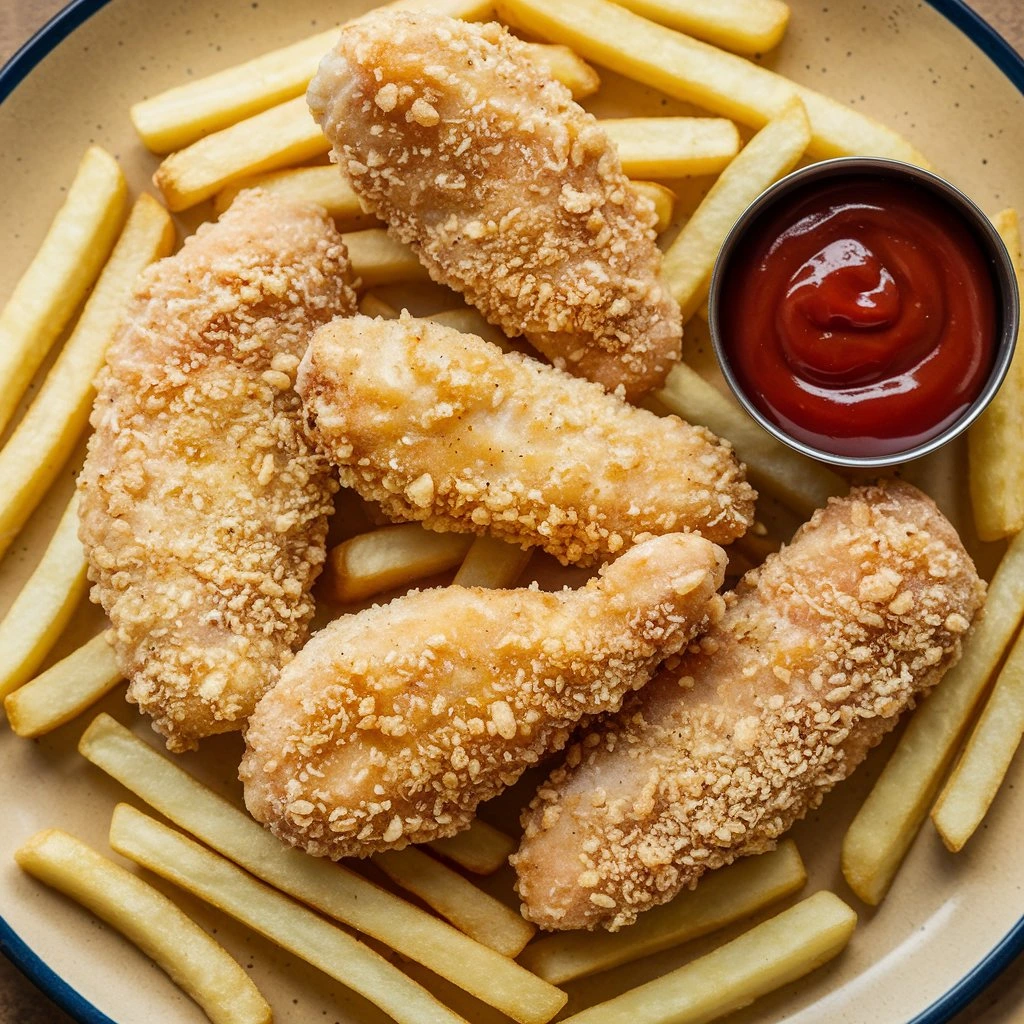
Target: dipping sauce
860, 315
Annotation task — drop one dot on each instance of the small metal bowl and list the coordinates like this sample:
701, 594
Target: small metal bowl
1000, 265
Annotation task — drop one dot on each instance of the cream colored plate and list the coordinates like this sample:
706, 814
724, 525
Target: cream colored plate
901, 61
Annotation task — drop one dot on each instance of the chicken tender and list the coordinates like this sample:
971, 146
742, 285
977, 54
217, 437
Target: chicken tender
816, 657
391, 725
507, 190
203, 505
445, 428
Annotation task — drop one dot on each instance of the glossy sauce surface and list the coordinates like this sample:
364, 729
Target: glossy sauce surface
860, 315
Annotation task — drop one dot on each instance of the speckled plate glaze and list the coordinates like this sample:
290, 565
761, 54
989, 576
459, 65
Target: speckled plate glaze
949, 924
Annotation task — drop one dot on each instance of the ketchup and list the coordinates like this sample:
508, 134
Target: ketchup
860, 316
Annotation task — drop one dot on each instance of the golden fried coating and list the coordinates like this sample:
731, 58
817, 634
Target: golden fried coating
391, 725
508, 191
816, 657
203, 505
445, 428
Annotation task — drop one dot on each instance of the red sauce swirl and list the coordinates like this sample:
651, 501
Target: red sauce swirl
860, 317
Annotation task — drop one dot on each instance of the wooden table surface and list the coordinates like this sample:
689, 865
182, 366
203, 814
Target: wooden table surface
22, 1003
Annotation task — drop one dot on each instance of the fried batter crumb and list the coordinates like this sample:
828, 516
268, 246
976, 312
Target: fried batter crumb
203, 506
818, 654
507, 190
446, 429
390, 726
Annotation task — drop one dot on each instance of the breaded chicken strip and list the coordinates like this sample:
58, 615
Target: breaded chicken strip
508, 191
391, 725
203, 505
445, 428
816, 657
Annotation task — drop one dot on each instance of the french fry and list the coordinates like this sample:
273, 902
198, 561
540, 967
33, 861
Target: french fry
567, 67
61, 272
64, 690
287, 134
664, 200
774, 150
720, 82
49, 430
373, 305
195, 962
215, 879
393, 556
885, 826
797, 481
673, 147
45, 604
181, 115
471, 321
492, 563
481, 848
326, 186
377, 258
330, 888
995, 468
458, 900
274, 138
977, 777
771, 955
723, 896
743, 26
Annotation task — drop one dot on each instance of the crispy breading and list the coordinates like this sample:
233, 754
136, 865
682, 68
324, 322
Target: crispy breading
816, 657
508, 191
445, 428
391, 725
204, 507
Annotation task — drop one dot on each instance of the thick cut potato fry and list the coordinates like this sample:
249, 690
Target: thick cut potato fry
196, 963
61, 272
394, 556
663, 198
64, 690
885, 826
45, 604
567, 67
722, 897
371, 304
215, 879
976, 779
773, 954
773, 151
481, 848
377, 258
46, 435
720, 82
743, 26
673, 147
278, 137
458, 900
325, 186
797, 481
287, 134
181, 115
492, 563
470, 321
995, 468
330, 888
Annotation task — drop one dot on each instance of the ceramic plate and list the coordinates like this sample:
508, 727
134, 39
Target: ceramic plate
935, 73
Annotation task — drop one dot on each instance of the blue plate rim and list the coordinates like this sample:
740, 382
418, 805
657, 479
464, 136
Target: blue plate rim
951, 1002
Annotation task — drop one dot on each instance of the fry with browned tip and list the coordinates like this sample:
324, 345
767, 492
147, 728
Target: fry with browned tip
819, 652
508, 191
204, 507
446, 429
392, 725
